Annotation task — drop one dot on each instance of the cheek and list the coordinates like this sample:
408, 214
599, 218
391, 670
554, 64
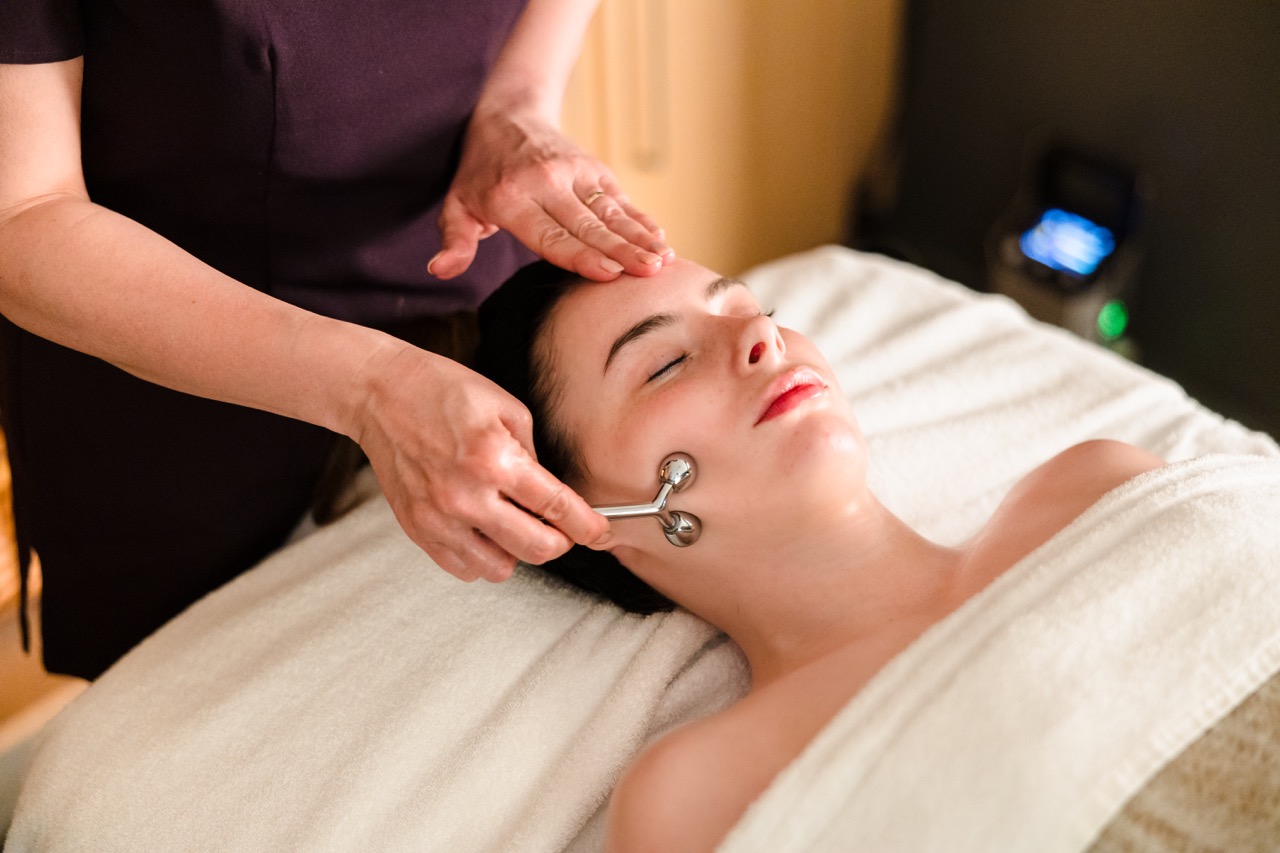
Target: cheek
624, 455
782, 480
703, 420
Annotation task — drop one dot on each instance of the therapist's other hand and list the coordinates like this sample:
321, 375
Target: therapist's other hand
519, 173
454, 455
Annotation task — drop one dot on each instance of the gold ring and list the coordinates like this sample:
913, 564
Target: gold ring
595, 195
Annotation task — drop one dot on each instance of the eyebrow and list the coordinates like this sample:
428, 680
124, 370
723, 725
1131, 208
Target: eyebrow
657, 321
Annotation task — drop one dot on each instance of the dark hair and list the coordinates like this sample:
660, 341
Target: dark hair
511, 321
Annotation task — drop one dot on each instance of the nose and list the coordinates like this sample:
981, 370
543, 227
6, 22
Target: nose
760, 341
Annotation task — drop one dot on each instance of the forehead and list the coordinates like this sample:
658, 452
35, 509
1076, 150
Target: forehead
590, 317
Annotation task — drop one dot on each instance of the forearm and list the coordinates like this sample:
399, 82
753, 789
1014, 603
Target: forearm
90, 279
533, 68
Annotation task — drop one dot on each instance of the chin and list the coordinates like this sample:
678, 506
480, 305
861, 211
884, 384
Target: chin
826, 443
810, 477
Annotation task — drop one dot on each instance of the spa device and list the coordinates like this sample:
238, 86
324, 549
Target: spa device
681, 528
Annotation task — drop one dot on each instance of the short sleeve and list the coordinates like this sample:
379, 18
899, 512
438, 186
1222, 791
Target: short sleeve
34, 31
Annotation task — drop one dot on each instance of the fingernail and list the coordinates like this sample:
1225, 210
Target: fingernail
431, 263
650, 258
668, 254
611, 266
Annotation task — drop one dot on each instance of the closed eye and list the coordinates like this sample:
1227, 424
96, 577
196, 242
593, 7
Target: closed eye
675, 362
668, 366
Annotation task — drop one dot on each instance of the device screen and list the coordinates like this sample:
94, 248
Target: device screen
1067, 241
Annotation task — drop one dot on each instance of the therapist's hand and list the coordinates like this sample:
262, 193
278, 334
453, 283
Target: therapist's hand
519, 173
454, 455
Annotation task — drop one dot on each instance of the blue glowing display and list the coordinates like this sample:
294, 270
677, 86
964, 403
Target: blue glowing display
1067, 241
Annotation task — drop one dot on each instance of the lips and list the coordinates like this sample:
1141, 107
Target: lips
790, 390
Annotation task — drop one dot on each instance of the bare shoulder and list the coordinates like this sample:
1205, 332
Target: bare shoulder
1079, 475
1094, 467
686, 791
1054, 494
651, 808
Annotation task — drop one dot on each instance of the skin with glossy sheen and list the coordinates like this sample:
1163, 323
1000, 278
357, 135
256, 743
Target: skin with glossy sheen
798, 562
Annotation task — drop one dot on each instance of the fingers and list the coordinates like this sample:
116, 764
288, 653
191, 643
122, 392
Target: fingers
508, 509
611, 189
484, 559
461, 234
467, 553
534, 517
572, 235
511, 533
471, 556
560, 506
454, 455
519, 423
608, 223
599, 240
616, 212
520, 173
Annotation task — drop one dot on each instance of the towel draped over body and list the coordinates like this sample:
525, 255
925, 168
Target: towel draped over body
1028, 718
348, 695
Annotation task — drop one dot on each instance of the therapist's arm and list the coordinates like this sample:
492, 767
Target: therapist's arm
520, 173
450, 448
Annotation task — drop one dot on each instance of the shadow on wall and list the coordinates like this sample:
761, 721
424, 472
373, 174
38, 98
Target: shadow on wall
1185, 94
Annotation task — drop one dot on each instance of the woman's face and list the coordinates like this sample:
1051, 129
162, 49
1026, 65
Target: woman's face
687, 361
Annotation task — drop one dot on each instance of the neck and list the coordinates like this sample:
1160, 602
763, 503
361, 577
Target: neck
868, 585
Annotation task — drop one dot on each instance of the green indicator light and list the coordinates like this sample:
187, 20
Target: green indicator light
1113, 319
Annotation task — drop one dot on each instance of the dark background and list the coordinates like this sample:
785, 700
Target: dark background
1186, 94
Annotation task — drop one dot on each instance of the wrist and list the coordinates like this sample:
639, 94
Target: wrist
523, 99
350, 363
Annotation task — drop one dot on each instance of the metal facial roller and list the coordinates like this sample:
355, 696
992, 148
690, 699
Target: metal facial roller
681, 528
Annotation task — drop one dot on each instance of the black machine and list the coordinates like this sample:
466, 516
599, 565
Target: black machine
1067, 249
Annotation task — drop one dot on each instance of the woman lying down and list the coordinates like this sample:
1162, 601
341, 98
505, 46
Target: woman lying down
821, 586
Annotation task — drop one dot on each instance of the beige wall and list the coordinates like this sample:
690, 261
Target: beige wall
739, 124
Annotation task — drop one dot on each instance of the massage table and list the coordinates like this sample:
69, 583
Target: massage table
346, 694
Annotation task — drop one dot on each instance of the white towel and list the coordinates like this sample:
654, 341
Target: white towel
961, 394
1027, 718
347, 695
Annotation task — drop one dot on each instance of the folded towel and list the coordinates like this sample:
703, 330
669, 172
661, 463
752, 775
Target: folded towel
1027, 718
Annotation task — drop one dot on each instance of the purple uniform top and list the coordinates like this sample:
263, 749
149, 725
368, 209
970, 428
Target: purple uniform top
302, 147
